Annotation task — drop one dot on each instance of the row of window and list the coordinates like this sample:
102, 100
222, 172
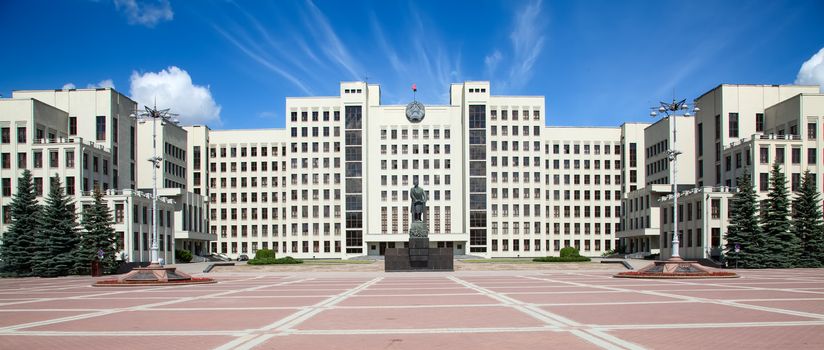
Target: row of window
295, 247
54, 161
424, 133
253, 151
524, 245
316, 115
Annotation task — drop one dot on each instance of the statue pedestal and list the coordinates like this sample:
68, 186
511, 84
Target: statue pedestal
418, 256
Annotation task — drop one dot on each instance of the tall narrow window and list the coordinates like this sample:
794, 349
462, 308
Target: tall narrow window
6, 135
21, 134
73, 126
733, 125
101, 128
759, 122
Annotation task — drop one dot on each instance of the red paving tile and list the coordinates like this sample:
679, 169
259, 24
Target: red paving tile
231, 302
182, 320
794, 337
410, 291
413, 300
13, 318
405, 318
112, 342
475, 341
87, 303
428, 308
601, 297
666, 314
746, 294
812, 306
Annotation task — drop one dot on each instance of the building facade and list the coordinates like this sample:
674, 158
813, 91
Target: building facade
335, 182
89, 140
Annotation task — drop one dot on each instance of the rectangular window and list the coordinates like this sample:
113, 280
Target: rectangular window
101, 128
6, 135
700, 142
759, 122
812, 131
6, 187
73, 126
21, 134
764, 182
733, 125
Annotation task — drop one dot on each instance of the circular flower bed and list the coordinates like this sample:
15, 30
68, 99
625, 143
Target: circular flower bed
677, 275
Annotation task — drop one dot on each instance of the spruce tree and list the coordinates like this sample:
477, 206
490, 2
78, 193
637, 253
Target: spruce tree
744, 228
98, 235
782, 246
807, 223
18, 242
57, 236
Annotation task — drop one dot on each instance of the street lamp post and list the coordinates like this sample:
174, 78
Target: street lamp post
672, 110
154, 114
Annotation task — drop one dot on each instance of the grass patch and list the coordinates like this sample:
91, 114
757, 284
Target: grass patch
273, 261
337, 262
498, 261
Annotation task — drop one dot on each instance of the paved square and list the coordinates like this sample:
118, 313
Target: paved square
580, 309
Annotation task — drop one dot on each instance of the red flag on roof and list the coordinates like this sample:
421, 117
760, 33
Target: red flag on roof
414, 87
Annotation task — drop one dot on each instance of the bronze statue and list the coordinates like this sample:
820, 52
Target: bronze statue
418, 197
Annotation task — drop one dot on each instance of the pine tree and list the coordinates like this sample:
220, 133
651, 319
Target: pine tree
807, 223
98, 235
18, 242
782, 246
744, 229
57, 237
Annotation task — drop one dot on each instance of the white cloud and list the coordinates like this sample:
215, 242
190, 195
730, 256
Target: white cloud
173, 88
328, 40
106, 83
145, 12
68, 86
527, 42
812, 71
491, 62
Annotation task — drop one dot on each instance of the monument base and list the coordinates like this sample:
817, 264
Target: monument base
676, 268
418, 257
153, 275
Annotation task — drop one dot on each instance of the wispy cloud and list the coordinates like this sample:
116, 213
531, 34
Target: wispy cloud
322, 30
260, 57
145, 12
527, 42
431, 63
491, 62
527, 38
68, 86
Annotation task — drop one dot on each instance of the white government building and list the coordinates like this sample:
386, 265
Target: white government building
334, 183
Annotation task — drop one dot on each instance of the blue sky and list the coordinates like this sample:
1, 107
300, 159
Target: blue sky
232, 63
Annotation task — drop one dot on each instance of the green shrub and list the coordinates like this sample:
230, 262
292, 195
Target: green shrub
562, 258
265, 254
569, 252
273, 261
183, 256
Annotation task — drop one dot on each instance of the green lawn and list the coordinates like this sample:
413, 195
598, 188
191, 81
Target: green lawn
329, 262
501, 261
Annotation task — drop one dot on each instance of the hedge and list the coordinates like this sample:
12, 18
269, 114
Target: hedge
562, 259
183, 256
273, 261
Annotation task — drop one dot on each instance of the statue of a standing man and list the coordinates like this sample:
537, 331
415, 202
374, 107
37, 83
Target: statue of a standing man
418, 197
